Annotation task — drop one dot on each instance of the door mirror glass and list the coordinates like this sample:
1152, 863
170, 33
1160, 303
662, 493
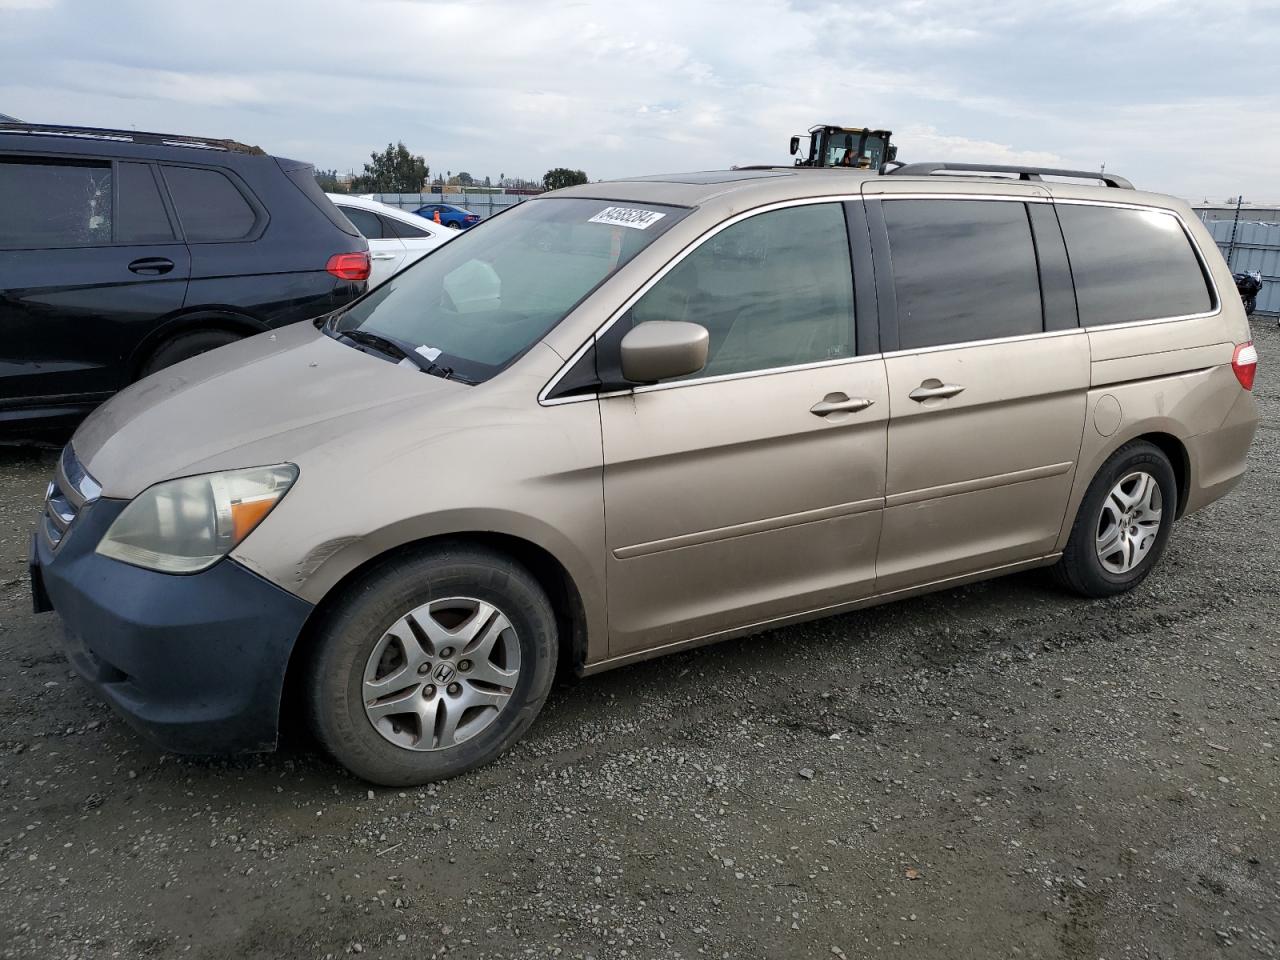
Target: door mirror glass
795, 145
663, 350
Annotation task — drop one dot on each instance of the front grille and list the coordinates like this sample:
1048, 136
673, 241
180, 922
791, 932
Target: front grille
69, 491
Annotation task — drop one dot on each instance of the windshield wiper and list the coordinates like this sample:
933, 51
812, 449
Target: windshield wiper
400, 349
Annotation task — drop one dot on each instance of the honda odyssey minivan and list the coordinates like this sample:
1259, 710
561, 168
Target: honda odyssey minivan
629, 418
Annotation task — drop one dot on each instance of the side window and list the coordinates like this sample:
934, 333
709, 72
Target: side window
1131, 264
774, 290
209, 205
963, 270
49, 203
366, 221
141, 217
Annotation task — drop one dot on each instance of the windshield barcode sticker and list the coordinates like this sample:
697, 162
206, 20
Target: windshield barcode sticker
627, 217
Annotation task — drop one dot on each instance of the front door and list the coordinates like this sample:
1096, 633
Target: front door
753, 489
89, 262
986, 387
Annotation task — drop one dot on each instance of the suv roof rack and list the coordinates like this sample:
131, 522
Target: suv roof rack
1024, 173
130, 136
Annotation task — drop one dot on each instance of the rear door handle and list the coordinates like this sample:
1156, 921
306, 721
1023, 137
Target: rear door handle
839, 403
151, 266
383, 256
932, 388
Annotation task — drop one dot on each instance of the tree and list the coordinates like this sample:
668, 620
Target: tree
329, 182
466, 179
395, 170
563, 177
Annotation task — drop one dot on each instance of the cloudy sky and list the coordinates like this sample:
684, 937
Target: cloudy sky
1182, 96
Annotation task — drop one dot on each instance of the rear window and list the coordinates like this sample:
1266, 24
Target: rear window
482, 299
209, 205
1131, 264
303, 176
49, 203
963, 270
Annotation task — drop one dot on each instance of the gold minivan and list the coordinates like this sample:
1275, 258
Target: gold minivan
628, 418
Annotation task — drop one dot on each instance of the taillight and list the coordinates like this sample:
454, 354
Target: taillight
1244, 364
349, 266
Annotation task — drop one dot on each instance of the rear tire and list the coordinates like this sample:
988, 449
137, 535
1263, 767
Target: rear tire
1123, 523
432, 666
188, 345
455, 226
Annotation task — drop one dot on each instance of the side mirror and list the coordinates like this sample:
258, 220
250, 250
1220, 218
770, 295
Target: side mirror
663, 349
795, 145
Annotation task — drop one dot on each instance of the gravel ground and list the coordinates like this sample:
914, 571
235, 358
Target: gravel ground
998, 770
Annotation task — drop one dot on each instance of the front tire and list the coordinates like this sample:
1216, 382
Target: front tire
1123, 523
432, 666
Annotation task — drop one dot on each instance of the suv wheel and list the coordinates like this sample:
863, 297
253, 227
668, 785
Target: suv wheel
432, 667
1123, 523
187, 345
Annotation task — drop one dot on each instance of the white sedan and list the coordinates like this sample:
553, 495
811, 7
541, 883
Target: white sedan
396, 237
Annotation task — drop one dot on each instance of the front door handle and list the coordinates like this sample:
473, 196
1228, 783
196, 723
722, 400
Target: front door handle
932, 388
151, 266
839, 403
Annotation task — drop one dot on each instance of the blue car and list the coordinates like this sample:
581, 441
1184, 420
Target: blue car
450, 216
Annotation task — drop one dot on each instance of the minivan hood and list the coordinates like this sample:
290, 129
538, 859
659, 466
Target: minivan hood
266, 399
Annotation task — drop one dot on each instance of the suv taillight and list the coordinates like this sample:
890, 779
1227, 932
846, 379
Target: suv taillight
349, 266
1244, 364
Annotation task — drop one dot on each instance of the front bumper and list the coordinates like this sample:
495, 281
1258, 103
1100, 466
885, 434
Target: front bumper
196, 663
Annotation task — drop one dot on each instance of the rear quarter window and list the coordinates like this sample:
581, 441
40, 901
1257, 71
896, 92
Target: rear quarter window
1131, 265
366, 221
209, 205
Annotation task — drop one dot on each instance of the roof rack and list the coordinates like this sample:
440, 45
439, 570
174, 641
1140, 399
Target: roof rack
130, 136
1024, 173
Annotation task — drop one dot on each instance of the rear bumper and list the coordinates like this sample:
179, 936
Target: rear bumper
196, 663
1218, 457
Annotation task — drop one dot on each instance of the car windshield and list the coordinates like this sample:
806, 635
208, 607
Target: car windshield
481, 300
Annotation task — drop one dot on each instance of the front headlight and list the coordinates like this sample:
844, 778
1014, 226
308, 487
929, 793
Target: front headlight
183, 526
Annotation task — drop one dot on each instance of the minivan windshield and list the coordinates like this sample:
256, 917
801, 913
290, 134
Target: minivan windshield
481, 300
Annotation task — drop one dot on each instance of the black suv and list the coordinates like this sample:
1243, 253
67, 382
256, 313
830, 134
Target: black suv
124, 252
